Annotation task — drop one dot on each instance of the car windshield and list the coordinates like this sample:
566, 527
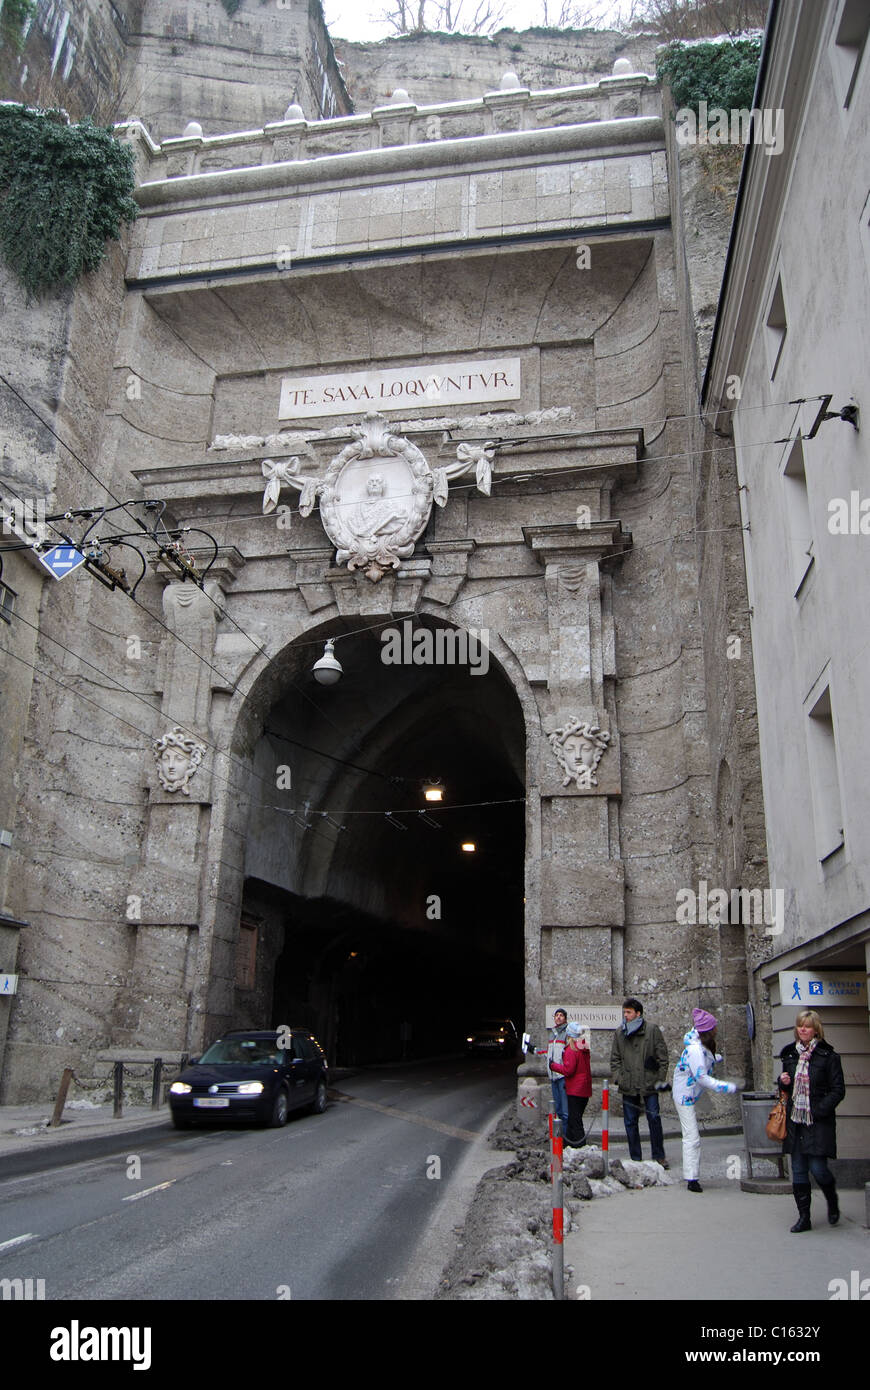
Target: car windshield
244, 1051
492, 1025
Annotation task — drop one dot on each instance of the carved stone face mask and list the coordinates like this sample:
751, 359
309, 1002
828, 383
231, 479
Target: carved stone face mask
176, 766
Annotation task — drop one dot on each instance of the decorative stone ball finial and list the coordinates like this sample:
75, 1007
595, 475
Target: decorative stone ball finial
399, 98
294, 112
510, 82
193, 131
622, 67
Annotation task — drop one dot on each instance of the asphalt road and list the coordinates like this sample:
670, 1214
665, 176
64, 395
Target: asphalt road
333, 1206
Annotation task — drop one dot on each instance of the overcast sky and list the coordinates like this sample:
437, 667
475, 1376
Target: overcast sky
350, 19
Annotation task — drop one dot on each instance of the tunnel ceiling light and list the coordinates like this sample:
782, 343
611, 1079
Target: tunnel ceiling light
327, 670
433, 790
469, 846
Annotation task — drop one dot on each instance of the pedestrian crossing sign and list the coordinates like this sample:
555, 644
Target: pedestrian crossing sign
61, 560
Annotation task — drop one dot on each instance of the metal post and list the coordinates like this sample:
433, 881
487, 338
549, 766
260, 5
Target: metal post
605, 1127
118, 1083
155, 1083
558, 1214
61, 1096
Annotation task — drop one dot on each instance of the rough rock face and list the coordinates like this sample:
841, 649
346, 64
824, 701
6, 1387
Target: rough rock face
504, 1251
452, 67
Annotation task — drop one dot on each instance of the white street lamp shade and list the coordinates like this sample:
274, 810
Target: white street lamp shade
327, 670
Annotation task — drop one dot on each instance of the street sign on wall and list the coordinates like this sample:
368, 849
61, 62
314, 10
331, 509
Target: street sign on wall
603, 1016
8, 985
813, 989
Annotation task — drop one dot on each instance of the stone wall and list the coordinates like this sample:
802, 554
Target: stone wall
74, 953
232, 72
74, 56
454, 67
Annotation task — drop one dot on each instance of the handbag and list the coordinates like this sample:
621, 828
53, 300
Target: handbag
777, 1125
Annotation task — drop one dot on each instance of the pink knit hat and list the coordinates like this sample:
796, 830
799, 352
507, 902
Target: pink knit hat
704, 1022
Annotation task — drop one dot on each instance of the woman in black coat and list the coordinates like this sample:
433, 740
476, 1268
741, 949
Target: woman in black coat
812, 1075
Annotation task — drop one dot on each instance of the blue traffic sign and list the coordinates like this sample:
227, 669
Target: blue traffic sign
61, 560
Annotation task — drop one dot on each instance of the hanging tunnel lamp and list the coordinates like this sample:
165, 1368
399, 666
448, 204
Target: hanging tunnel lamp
327, 671
433, 790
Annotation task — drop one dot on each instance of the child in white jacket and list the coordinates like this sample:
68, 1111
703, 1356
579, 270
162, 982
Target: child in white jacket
691, 1076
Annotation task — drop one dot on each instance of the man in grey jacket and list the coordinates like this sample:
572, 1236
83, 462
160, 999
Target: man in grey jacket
555, 1048
639, 1066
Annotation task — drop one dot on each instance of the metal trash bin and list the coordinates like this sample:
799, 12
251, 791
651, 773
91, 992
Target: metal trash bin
756, 1107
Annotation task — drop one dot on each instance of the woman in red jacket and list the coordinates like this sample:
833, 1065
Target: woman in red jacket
576, 1068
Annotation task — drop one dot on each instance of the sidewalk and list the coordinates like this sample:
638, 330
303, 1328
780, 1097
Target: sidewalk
86, 1131
666, 1243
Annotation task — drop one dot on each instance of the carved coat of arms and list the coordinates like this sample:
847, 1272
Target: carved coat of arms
376, 495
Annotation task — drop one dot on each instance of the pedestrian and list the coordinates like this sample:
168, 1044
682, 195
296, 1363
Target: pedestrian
691, 1077
576, 1068
639, 1067
555, 1048
812, 1074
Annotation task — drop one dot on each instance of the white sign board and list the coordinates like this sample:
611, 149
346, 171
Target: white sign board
602, 1016
8, 985
401, 388
812, 989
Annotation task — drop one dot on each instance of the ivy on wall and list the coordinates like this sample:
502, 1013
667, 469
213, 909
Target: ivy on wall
722, 74
13, 17
64, 190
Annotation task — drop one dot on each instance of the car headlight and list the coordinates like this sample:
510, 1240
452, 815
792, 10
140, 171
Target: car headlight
469, 1039
179, 1088
250, 1088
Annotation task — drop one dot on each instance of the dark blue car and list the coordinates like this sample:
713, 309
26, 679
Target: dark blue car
252, 1076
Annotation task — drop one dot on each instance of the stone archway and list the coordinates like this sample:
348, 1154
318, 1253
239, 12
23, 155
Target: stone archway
306, 855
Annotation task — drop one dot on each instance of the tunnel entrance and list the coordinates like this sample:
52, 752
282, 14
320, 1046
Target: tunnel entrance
378, 929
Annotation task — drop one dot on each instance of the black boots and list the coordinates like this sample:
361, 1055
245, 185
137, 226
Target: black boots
802, 1191
830, 1192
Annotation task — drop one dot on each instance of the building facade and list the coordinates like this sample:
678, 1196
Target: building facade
418, 382
792, 330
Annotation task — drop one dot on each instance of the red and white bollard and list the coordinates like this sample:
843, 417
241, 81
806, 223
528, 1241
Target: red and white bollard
558, 1209
605, 1127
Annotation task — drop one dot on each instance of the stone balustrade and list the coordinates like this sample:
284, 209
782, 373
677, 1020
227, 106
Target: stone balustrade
401, 123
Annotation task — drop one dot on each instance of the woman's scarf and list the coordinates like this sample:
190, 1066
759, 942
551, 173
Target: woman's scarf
800, 1106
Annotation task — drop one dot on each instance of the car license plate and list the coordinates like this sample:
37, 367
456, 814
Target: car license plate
211, 1102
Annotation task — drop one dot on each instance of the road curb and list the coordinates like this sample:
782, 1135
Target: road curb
35, 1159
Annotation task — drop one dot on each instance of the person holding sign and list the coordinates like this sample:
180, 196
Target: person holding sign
812, 1075
576, 1067
555, 1048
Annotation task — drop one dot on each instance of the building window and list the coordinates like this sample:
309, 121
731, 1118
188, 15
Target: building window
246, 954
847, 50
7, 602
776, 327
825, 777
798, 514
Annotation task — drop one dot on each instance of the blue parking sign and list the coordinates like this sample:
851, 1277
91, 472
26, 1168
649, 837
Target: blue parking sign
61, 560
816, 987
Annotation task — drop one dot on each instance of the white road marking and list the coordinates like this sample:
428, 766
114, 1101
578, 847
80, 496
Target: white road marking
17, 1240
146, 1192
